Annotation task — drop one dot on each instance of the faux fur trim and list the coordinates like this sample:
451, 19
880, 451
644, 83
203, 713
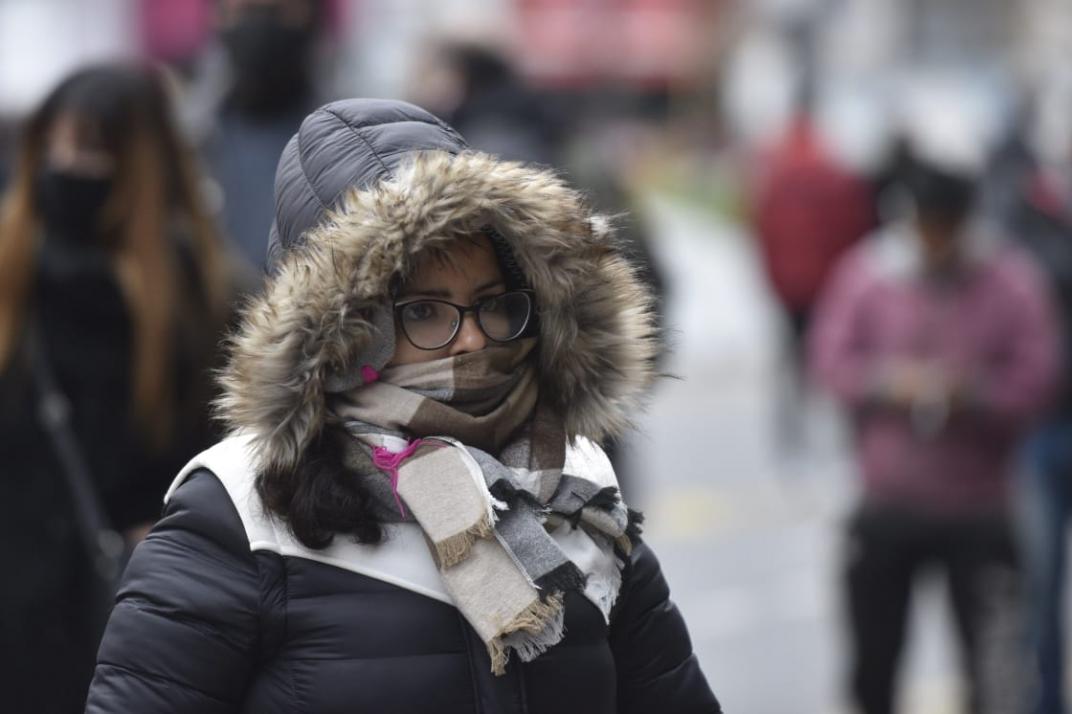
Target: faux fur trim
315, 316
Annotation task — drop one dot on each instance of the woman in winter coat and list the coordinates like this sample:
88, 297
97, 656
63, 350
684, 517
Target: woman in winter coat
113, 284
411, 513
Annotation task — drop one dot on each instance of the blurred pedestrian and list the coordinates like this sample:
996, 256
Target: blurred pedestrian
807, 209
113, 291
479, 90
942, 345
270, 46
412, 513
1032, 201
601, 180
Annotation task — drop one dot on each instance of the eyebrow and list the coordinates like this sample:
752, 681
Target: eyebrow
445, 294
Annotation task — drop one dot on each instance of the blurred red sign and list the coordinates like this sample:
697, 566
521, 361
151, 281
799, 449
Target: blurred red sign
570, 42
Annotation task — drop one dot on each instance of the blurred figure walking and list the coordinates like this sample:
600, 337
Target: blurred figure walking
943, 346
807, 210
270, 47
480, 91
1031, 198
113, 288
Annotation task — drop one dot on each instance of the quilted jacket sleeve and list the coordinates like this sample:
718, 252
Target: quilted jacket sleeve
183, 634
657, 670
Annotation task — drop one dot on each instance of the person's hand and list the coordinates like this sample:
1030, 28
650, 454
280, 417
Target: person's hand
908, 383
965, 395
928, 392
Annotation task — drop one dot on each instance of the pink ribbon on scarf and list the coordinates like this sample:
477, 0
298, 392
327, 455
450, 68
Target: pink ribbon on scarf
391, 461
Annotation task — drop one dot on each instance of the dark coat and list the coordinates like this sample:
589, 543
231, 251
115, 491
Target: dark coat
205, 625
48, 633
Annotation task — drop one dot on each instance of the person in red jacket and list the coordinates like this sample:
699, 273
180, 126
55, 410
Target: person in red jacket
807, 209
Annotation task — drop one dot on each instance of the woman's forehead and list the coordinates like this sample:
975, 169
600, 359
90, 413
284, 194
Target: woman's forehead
469, 260
78, 130
74, 144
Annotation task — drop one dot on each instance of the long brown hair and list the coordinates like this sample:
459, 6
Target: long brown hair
154, 189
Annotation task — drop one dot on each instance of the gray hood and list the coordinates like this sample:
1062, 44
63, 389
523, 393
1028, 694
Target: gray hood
365, 186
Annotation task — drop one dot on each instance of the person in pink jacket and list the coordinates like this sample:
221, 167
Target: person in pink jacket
940, 342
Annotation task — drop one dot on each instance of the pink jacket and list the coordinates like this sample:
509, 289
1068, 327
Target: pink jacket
991, 325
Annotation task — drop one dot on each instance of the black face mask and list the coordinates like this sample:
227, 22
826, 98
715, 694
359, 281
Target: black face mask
70, 204
270, 61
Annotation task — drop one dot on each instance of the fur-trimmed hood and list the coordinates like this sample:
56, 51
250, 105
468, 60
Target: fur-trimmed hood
365, 186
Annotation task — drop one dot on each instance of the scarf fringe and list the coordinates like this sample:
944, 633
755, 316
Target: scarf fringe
454, 549
563, 578
633, 531
499, 657
605, 499
538, 627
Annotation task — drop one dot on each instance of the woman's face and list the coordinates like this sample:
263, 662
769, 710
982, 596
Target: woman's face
468, 272
72, 148
75, 181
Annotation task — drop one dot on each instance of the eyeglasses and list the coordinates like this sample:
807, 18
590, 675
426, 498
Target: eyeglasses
433, 324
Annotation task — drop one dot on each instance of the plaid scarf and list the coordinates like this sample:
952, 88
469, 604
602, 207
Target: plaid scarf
463, 447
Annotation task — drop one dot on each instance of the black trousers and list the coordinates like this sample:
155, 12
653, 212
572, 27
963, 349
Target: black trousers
889, 548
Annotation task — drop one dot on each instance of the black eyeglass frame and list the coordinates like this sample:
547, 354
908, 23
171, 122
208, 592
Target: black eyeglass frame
463, 310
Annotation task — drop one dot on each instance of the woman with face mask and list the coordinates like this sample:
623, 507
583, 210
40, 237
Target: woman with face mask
411, 512
113, 290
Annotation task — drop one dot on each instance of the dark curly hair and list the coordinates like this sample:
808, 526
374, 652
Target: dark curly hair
323, 496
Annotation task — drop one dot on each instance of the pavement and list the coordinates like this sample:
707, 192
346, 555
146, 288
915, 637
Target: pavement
746, 522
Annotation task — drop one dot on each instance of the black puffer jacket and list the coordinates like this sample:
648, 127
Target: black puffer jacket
205, 625
224, 610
